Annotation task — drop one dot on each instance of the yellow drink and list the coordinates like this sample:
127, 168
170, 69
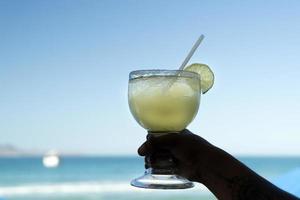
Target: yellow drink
163, 103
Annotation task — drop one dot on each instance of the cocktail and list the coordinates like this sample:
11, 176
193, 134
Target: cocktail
166, 102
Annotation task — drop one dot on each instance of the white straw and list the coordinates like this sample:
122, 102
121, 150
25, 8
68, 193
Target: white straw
192, 51
186, 60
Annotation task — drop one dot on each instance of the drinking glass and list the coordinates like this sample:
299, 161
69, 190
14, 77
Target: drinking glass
163, 102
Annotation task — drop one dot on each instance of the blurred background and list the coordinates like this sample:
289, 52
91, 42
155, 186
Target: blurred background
64, 68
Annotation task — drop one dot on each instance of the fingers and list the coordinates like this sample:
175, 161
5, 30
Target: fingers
164, 141
173, 142
154, 142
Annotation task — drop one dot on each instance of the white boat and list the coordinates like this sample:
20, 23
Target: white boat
51, 159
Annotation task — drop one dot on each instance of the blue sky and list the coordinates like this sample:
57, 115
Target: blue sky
64, 71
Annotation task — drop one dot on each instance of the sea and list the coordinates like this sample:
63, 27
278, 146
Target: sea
108, 178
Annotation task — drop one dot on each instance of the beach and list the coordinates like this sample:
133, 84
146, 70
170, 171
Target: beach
106, 178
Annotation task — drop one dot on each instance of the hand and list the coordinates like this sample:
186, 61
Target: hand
198, 160
193, 154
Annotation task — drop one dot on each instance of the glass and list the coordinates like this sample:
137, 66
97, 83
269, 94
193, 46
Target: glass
163, 102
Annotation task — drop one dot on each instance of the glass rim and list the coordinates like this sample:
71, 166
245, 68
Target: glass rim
162, 72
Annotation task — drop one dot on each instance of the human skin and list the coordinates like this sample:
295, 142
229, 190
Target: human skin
199, 161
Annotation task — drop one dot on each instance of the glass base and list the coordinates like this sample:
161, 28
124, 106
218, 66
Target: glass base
161, 181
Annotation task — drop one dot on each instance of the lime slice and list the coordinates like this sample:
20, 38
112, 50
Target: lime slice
206, 74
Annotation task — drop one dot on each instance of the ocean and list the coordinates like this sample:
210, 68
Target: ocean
108, 178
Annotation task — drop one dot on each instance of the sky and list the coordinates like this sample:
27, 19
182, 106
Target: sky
64, 68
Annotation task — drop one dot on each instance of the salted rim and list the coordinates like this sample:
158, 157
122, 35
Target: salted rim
162, 72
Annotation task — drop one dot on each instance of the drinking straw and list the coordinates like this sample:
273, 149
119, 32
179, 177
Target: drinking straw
192, 51
186, 60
